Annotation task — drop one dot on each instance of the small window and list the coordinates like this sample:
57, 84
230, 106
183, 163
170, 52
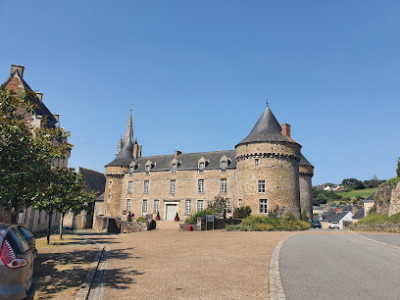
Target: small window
172, 187
146, 186
202, 166
130, 187
128, 205
156, 205
173, 169
110, 183
263, 206
200, 186
224, 165
188, 207
257, 162
147, 169
240, 202
109, 197
261, 186
144, 207
200, 205
223, 186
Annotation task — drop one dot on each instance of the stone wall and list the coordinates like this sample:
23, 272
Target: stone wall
278, 165
112, 192
112, 225
394, 206
382, 198
378, 227
306, 195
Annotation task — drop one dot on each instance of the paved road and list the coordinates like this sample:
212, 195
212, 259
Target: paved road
340, 265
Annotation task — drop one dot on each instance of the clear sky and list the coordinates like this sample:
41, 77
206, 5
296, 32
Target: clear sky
197, 74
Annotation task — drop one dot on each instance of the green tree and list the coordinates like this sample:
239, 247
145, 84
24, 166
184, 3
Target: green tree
218, 206
353, 184
398, 167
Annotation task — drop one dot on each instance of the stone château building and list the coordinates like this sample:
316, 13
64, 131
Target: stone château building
266, 171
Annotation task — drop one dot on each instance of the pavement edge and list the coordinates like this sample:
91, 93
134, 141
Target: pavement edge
275, 281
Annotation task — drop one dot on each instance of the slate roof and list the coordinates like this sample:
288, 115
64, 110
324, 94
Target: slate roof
335, 217
267, 129
304, 161
100, 198
95, 181
186, 161
41, 109
370, 197
360, 214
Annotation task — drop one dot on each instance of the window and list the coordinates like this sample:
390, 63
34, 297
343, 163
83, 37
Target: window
130, 186
109, 197
173, 170
156, 205
263, 206
146, 187
223, 186
240, 202
224, 164
188, 207
202, 166
257, 162
261, 186
128, 205
200, 205
144, 207
147, 169
200, 186
110, 183
172, 186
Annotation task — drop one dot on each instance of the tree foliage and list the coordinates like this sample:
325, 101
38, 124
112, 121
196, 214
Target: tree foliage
353, 184
241, 212
320, 196
218, 206
398, 167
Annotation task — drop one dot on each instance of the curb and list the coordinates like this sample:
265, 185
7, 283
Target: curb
275, 281
372, 240
84, 291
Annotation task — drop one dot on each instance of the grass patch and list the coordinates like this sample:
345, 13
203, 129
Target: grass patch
374, 219
263, 223
357, 193
68, 239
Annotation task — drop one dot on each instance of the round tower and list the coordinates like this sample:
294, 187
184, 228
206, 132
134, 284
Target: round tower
115, 172
306, 172
267, 171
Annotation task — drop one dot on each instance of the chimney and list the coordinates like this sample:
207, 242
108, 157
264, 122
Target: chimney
19, 69
286, 129
177, 153
39, 95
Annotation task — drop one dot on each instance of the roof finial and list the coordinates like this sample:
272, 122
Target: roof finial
267, 102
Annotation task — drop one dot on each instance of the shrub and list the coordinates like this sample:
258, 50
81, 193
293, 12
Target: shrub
304, 216
241, 212
141, 220
200, 214
233, 227
264, 223
393, 181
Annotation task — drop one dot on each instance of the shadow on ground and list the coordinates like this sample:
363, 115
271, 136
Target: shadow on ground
55, 273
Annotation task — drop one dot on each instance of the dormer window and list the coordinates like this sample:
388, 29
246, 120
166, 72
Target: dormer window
202, 166
224, 165
147, 167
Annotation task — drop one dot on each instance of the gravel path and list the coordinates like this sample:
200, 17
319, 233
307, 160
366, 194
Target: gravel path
338, 265
168, 264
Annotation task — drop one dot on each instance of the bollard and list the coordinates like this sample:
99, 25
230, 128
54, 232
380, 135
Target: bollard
190, 227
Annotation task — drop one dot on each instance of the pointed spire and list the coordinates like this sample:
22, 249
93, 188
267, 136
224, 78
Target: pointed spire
129, 130
267, 102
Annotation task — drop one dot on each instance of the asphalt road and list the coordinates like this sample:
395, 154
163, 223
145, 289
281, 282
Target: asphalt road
340, 265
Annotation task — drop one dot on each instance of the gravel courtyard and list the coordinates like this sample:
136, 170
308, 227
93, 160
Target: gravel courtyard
168, 264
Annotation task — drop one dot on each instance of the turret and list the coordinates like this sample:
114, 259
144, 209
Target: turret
267, 173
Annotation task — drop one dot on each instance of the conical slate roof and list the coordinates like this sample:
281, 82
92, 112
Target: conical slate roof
267, 129
125, 155
304, 161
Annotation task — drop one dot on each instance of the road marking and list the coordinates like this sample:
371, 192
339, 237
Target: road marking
275, 281
379, 242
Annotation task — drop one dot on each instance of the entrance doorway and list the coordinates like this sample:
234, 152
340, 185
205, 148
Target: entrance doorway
171, 211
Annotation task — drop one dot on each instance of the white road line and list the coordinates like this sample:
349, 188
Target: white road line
379, 242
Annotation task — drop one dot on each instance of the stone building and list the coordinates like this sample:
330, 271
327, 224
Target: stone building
33, 219
266, 171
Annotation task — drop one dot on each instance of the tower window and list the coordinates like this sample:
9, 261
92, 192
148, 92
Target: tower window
223, 186
257, 162
110, 183
200, 186
240, 202
263, 206
261, 186
146, 186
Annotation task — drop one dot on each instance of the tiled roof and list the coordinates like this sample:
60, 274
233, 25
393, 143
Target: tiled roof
186, 161
95, 181
267, 129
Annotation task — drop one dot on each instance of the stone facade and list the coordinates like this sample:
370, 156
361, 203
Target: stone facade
266, 171
394, 206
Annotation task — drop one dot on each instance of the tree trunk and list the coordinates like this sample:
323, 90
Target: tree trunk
49, 228
61, 225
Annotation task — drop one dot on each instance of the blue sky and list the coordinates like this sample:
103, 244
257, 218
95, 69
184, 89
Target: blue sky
197, 74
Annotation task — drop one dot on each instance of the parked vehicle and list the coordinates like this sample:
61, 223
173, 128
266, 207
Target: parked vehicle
315, 223
28, 235
16, 265
334, 225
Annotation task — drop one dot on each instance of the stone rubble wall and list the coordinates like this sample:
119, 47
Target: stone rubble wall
394, 206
